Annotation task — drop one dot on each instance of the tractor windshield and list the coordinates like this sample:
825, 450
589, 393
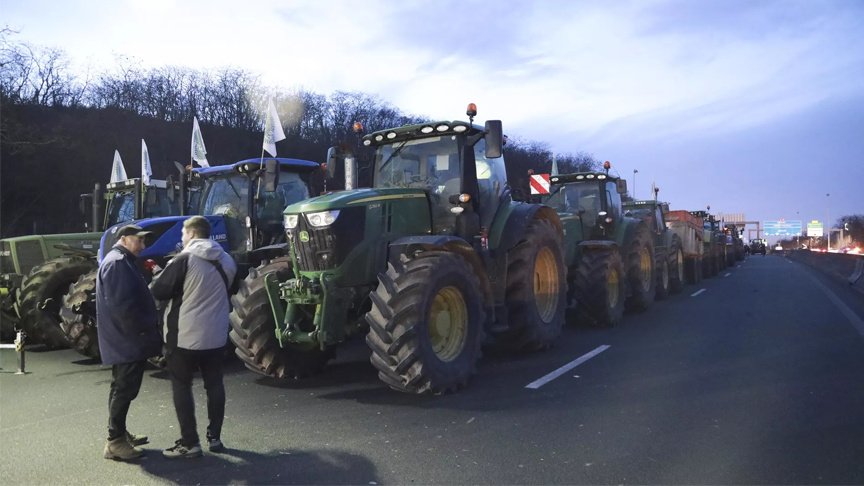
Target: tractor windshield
582, 198
227, 195
121, 208
426, 163
432, 164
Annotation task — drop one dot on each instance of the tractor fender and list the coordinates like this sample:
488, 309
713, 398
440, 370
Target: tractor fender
608, 244
269, 252
410, 245
510, 230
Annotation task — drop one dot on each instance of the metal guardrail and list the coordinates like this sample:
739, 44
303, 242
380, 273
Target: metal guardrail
18, 346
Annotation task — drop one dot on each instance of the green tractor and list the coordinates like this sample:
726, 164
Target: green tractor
36, 271
714, 244
431, 261
668, 249
610, 255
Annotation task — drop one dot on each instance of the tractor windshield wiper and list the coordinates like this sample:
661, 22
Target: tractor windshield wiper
392, 155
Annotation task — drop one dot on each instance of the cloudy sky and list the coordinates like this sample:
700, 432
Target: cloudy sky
753, 107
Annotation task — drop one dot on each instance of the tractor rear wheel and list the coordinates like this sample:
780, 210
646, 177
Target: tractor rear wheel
42, 294
676, 268
536, 289
640, 269
600, 287
253, 330
426, 323
78, 316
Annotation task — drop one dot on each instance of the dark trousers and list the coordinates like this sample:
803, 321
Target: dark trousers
125, 384
182, 364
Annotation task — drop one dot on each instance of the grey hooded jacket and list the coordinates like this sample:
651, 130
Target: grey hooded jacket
197, 314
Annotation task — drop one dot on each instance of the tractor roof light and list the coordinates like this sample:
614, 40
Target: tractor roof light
367, 142
391, 135
442, 127
427, 129
607, 165
357, 127
472, 110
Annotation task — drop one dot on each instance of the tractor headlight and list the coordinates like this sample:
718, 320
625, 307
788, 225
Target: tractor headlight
290, 221
322, 219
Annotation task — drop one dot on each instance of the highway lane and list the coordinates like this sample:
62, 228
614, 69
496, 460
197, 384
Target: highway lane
756, 379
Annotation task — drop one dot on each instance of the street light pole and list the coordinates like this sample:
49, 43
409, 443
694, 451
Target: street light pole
827, 218
635, 171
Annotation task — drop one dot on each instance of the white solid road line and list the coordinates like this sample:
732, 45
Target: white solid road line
694, 294
727, 275
564, 369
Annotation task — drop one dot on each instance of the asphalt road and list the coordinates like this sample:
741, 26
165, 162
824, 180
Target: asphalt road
756, 379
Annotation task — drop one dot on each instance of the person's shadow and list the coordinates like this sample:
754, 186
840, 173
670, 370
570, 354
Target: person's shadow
233, 466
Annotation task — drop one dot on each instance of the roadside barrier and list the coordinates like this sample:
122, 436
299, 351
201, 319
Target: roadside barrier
856, 274
18, 346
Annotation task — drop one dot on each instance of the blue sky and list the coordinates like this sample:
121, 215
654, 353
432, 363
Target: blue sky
753, 107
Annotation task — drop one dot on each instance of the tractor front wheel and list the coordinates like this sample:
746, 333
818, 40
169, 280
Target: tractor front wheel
600, 286
253, 330
42, 294
426, 323
78, 316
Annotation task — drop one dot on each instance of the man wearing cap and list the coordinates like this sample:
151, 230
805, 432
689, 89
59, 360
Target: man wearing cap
128, 335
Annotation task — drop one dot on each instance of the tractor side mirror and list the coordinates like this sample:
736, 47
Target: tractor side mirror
621, 186
271, 175
331, 161
169, 181
150, 197
494, 139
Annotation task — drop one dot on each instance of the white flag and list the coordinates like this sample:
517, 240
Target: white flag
272, 130
146, 170
199, 152
554, 164
118, 172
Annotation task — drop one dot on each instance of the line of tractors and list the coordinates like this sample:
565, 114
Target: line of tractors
432, 263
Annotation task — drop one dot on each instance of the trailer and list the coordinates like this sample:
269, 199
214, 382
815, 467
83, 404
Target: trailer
689, 229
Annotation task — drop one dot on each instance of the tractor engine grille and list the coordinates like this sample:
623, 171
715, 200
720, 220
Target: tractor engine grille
6, 263
326, 248
29, 255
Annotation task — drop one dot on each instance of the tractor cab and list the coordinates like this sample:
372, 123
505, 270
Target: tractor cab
464, 178
251, 198
594, 197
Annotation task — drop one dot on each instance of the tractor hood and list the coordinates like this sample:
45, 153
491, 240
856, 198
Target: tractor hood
166, 235
345, 199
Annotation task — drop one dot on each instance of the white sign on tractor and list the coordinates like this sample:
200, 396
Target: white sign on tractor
539, 183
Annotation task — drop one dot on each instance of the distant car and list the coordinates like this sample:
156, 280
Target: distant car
778, 248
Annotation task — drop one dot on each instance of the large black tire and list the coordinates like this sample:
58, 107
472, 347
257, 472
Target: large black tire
600, 287
426, 323
676, 267
536, 289
641, 279
78, 316
663, 278
253, 330
42, 296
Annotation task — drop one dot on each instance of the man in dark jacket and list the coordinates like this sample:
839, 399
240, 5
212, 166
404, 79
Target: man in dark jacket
128, 335
197, 282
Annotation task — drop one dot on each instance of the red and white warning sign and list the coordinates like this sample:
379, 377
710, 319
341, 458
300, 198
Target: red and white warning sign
539, 184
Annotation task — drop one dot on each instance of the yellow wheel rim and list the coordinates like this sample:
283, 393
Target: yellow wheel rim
546, 284
613, 283
448, 323
645, 264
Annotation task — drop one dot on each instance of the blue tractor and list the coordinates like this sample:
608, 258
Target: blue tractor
242, 201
